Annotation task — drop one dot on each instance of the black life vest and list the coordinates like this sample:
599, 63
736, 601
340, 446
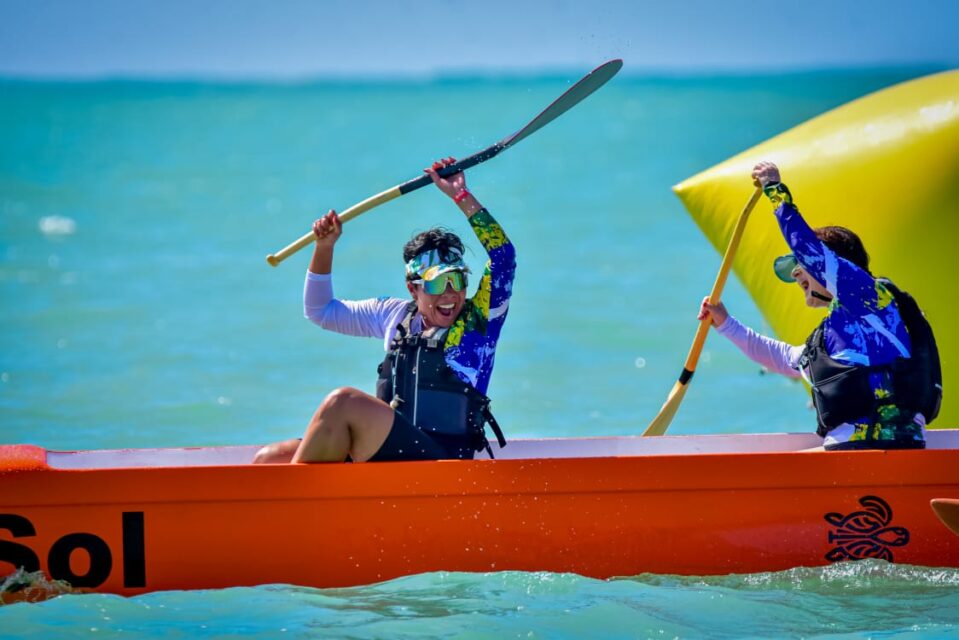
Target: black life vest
842, 393
415, 380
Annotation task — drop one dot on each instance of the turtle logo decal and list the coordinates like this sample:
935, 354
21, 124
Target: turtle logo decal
866, 533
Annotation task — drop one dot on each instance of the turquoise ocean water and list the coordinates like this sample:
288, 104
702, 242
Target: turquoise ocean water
138, 311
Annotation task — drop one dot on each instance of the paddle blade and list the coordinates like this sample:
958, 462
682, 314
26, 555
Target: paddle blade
661, 422
947, 511
573, 96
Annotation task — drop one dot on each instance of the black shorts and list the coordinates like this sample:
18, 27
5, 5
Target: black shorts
407, 442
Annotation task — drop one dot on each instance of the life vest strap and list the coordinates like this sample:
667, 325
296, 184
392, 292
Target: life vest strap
488, 416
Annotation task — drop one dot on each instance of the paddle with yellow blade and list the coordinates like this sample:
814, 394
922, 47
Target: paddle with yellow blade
661, 422
570, 98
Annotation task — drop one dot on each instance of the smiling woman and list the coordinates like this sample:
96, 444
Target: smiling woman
430, 402
436, 276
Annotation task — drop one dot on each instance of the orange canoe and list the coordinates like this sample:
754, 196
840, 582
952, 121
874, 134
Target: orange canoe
130, 521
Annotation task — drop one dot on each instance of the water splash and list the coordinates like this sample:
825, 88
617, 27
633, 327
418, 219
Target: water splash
841, 577
27, 586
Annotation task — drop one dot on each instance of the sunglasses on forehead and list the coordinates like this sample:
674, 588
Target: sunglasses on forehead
436, 286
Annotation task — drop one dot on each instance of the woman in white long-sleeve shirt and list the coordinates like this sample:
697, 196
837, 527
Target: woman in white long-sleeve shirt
872, 363
412, 420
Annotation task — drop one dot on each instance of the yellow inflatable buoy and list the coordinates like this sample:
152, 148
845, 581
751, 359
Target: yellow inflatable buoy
886, 166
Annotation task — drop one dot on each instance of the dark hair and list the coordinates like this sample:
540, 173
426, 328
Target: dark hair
845, 244
443, 240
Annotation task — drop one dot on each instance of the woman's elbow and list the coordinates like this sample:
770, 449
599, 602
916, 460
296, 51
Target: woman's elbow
504, 260
317, 315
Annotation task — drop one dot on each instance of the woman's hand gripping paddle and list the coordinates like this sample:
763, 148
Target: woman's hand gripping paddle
661, 422
587, 85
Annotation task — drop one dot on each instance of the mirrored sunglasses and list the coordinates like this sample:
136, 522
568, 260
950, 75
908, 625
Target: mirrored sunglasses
436, 286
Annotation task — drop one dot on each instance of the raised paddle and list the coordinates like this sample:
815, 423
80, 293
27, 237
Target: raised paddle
587, 85
661, 422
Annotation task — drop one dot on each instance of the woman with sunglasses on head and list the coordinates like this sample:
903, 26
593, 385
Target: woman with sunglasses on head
430, 402
872, 363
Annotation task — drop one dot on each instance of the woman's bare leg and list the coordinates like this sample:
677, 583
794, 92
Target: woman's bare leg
277, 452
348, 421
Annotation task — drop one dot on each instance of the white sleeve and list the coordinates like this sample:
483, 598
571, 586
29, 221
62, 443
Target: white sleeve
775, 355
367, 318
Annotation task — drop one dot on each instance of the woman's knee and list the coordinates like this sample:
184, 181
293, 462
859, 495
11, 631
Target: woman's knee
351, 412
337, 411
340, 400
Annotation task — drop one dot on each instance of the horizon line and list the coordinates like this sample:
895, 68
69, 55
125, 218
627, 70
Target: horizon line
549, 72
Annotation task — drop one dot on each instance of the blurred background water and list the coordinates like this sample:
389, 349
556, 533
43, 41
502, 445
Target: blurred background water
138, 311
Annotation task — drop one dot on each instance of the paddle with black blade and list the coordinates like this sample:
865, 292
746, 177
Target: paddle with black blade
661, 422
573, 96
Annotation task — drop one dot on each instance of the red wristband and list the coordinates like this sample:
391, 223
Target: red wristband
462, 195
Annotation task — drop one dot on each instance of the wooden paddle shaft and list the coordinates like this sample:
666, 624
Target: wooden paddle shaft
371, 202
662, 420
720, 282
385, 196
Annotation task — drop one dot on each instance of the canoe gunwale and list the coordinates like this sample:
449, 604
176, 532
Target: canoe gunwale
17, 458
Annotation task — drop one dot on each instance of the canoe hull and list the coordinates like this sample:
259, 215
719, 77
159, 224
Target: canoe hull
340, 525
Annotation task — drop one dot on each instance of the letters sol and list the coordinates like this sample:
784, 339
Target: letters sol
58, 558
